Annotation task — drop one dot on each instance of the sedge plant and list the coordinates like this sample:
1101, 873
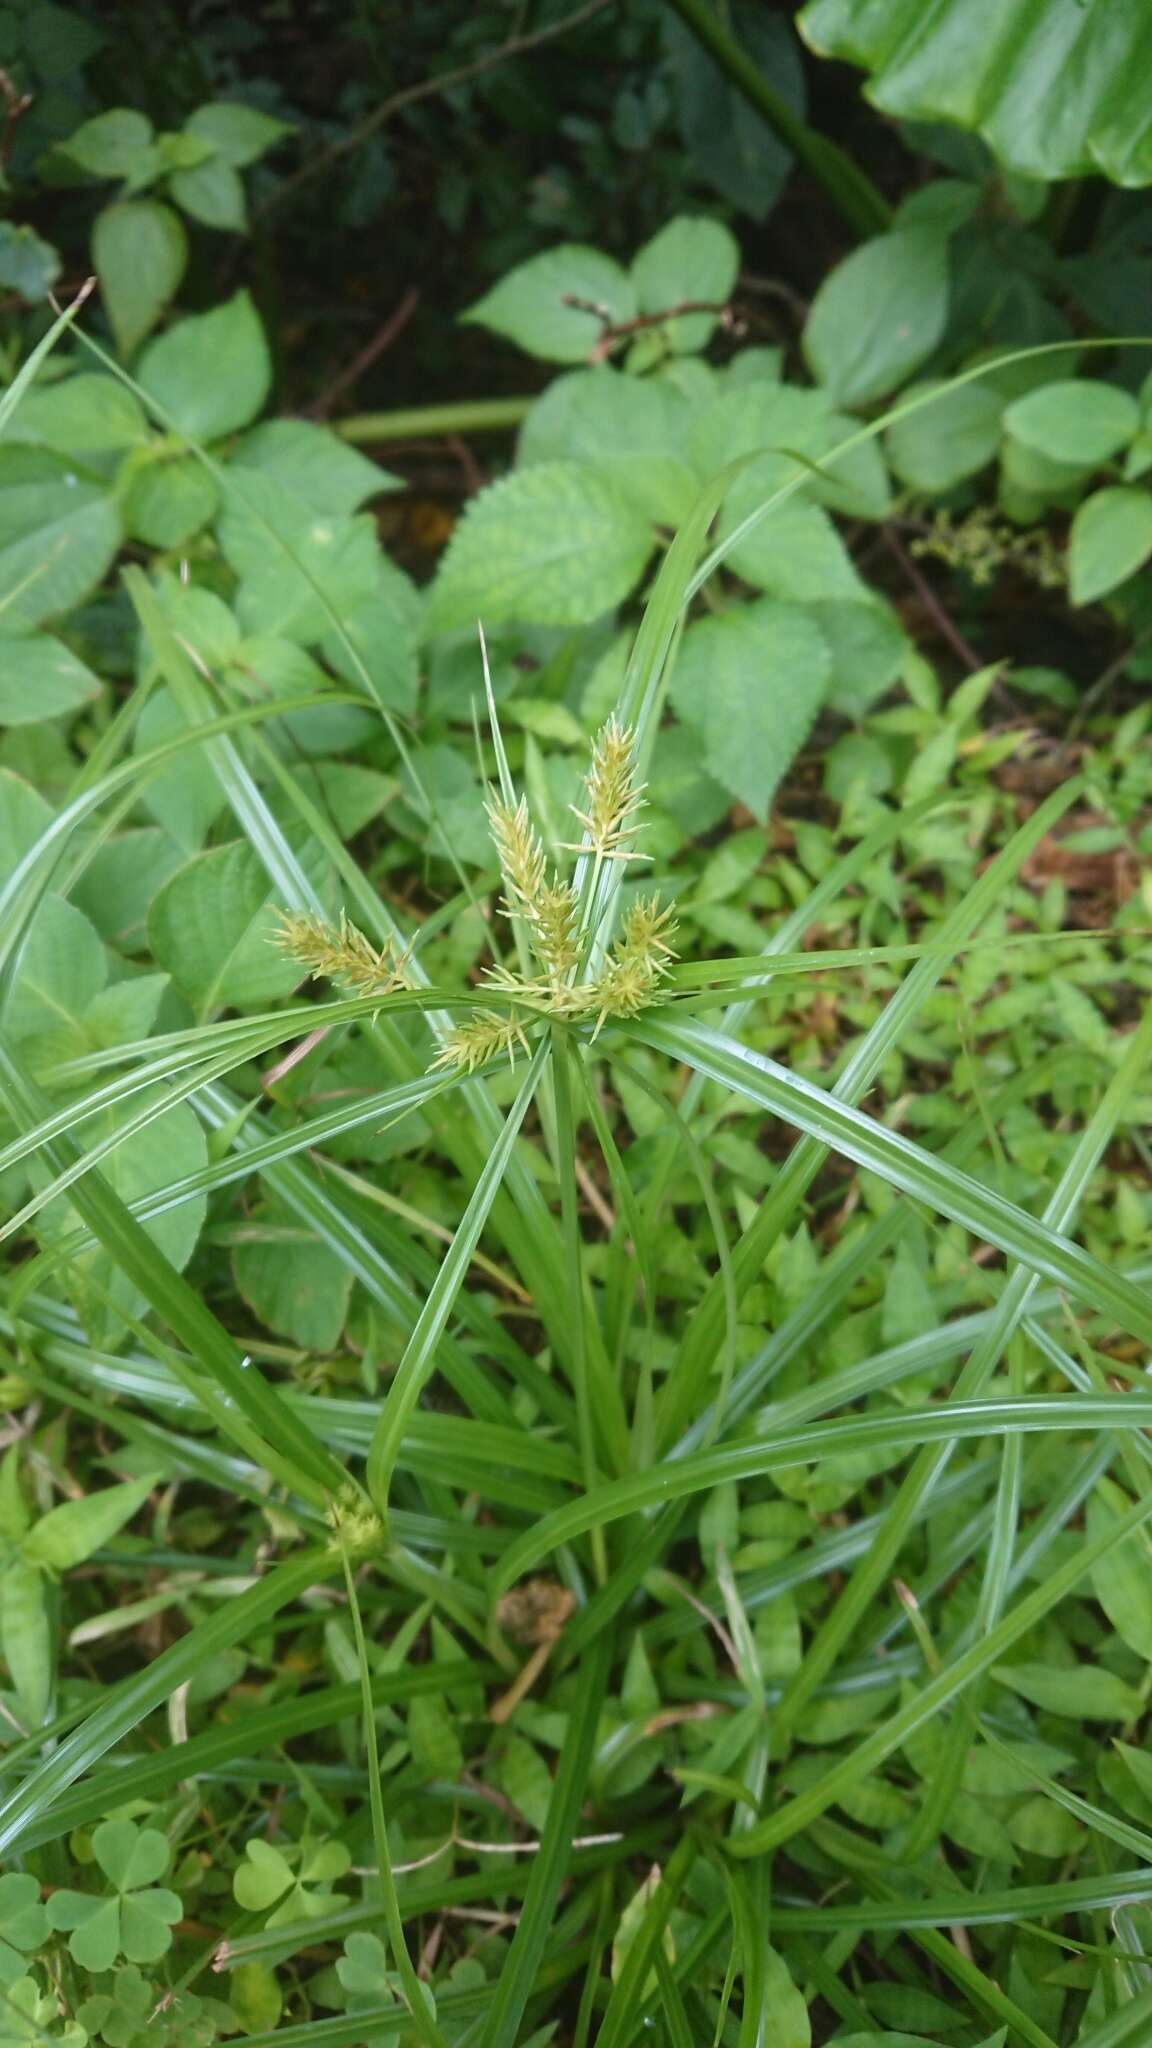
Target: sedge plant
601, 1543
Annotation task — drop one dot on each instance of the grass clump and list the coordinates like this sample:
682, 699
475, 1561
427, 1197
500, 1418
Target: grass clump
646, 1546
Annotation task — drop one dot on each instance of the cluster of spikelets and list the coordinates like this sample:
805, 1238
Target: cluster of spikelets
549, 913
341, 953
357, 1530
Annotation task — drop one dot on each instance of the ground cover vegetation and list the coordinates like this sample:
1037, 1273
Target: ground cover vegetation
577, 1199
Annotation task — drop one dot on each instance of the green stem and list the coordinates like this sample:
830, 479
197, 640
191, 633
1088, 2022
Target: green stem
422, 422
422, 2020
861, 204
570, 1229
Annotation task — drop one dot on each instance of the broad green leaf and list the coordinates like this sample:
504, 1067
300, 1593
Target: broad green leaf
786, 421
1082, 1692
1111, 538
213, 193
120, 881
769, 418
379, 639
1076, 421
689, 259
231, 339
446, 796
631, 430
111, 145
314, 463
292, 1282
795, 553
29, 266
868, 647
878, 315
530, 305
296, 566
25, 1635
237, 132
62, 967
727, 138
59, 533
167, 503
1122, 1579
167, 1148
69, 1534
41, 678
140, 251
213, 925
1055, 88
955, 437
553, 545
58, 41
186, 798
752, 681
83, 415
630, 1925
24, 818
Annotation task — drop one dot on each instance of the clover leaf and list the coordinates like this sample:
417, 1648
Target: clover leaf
23, 1924
364, 1974
133, 1918
368, 1982
119, 2015
133, 2014
267, 1879
27, 2015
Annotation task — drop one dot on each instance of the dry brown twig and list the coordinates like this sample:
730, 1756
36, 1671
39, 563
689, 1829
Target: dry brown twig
381, 341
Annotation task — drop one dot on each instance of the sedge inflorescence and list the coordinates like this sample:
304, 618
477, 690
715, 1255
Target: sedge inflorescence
341, 953
552, 918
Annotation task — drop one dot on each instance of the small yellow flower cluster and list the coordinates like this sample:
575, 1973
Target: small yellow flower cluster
549, 908
614, 795
357, 1530
981, 545
639, 960
550, 911
342, 954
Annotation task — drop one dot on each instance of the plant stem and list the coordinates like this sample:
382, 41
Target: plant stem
422, 2021
862, 205
418, 422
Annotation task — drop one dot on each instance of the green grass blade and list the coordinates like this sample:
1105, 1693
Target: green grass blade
419, 1357
303, 1461
906, 1427
1014, 1302
130, 1702
28, 370
916, 1173
702, 1337
951, 1683
552, 1864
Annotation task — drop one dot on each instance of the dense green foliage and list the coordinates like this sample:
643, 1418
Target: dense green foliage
575, 1435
